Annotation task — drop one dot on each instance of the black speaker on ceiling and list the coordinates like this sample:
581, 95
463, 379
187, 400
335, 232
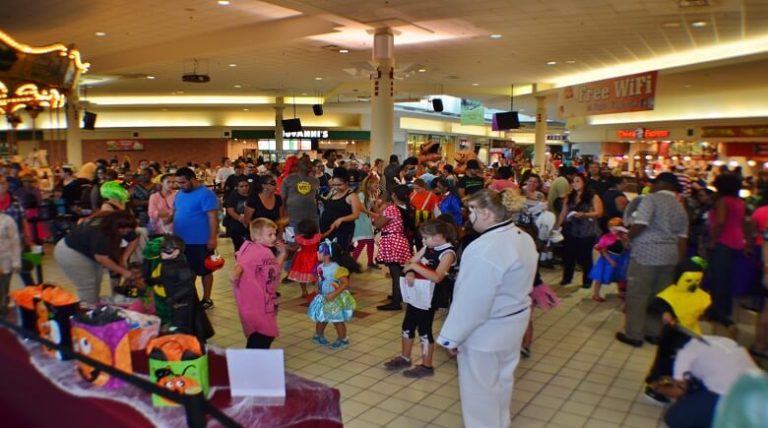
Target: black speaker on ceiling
89, 120
437, 104
317, 109
292, 125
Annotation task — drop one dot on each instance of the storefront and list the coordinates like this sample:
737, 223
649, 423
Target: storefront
262, 142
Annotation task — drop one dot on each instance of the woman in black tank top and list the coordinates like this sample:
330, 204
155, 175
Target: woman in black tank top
340, 210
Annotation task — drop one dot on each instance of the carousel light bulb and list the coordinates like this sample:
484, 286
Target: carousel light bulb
687, 158
649, 157
733, 164
751, 163
637, 157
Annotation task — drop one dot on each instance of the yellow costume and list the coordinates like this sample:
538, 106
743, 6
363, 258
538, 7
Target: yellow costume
687, 300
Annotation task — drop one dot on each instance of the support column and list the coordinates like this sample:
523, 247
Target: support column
383, 95
540, 145
279, 108
74, 139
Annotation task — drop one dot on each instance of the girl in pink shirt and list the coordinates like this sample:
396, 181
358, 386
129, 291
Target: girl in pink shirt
160, 206
255, 278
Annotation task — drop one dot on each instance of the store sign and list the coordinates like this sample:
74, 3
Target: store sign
125, 146
734, 131
621, 94
642, 134
307, 133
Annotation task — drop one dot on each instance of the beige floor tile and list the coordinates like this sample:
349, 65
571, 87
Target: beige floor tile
406, 422
585, 397
635, 421
569, 420
546, 401
370, 397
359, 423
538, 412
395, 405
521, 421
616, 404
609, 415
448, 420
423, 413
556, 391
350, 409
596, 423
377, 416
581, 409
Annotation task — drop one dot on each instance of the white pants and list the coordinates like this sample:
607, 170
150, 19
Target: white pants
486, 379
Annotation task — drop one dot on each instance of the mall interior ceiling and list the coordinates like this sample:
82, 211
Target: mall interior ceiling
472, 49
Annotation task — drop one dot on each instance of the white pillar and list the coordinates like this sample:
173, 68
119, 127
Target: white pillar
74, 139
383, 95
279, 108
540, 145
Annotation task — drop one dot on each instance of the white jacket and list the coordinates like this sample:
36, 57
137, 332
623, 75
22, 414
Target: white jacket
495, 279
10, 244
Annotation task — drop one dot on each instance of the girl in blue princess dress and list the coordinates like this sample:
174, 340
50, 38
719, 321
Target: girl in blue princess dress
612, 264
333, 302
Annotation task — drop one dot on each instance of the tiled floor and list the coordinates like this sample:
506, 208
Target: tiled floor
578, 375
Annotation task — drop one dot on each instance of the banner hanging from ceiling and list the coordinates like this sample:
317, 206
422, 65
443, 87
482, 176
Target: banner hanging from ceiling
636, 92
472, 112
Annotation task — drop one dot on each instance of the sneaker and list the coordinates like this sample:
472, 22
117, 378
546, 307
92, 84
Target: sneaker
397, 363
419, 372
207, 303
623, 338
525, 352
654, 397
390, 307
320, 340
340, 344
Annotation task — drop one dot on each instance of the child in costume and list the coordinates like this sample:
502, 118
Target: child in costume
612, 264
133, 294
680, 306
304, 266
178, 281
434, 262
255, 278
333, 302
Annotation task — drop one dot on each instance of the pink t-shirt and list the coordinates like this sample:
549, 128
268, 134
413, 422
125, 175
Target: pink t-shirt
760, 217
158, 202
732, 235
255, 289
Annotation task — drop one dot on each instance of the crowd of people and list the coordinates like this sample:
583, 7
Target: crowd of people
479, 234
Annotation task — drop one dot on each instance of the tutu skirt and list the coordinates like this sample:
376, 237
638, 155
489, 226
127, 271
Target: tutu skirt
339, 309
604, 273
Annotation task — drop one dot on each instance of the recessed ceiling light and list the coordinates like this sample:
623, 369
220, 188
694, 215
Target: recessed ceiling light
304, 94
233, 65
686, 86
100, 34
551, 62
223, 2
671, 24
238, 86
699, 24
343, 51
496, 36
151, 77
318, 78
422, 70
475, 84
570, 61
246, 109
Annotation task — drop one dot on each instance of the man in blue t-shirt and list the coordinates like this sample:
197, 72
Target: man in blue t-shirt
196, 221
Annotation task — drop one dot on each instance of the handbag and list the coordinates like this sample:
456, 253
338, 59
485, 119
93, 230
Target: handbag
177, 362
102, 334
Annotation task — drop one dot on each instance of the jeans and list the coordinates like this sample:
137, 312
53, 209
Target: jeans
721, 260
695, 409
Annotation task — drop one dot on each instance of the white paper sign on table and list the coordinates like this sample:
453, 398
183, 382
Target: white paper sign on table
257, 373
418, 295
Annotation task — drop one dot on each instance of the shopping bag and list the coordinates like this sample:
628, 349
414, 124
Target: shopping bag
54, 308
177, 362
144, 328
102, 334
25, 306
